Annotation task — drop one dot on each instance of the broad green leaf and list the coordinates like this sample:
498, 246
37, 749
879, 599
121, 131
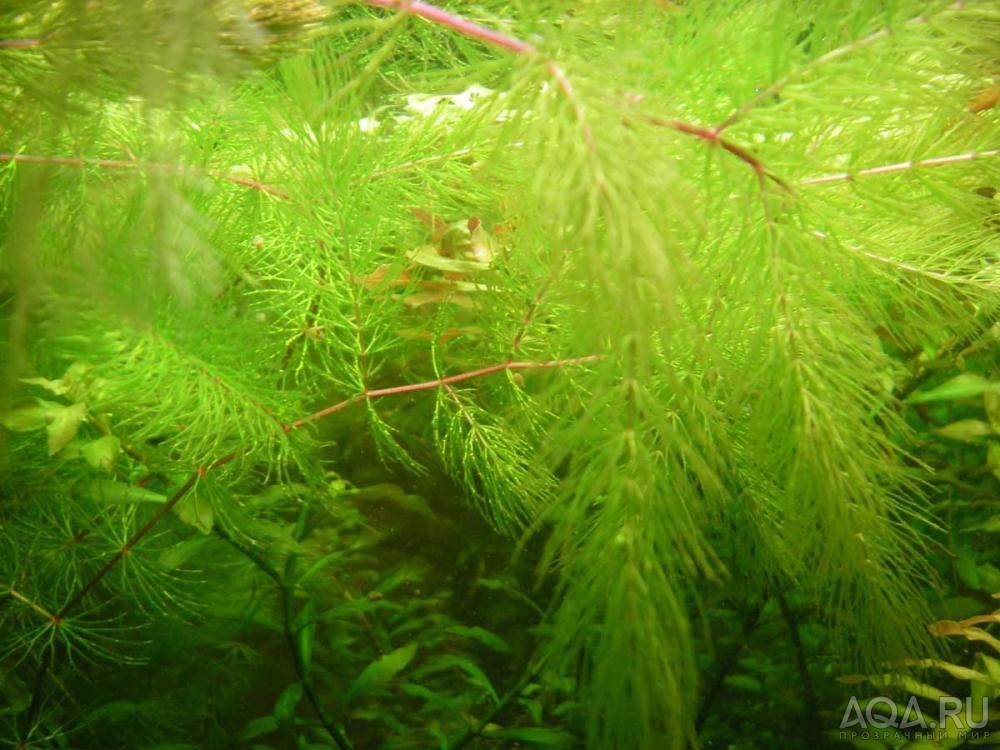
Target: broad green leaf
381, 672
955, 670
992, 667
475, 674
317, 566
744, 682
115, 711
63, 423
305, 624
56, 387
257, 727
177, 554
993, 458
533, 707
102, 452
112, 491
429, 257
966, 385
991, 401
966, 430
195, 510
532, 736
428, 695
284, 707
484, 636
28, 416
990, 524
978, 634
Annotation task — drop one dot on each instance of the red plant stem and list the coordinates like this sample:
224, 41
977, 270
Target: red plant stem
429, 385
714, 136
57, 620
20, 43
457, 23
823, 59
465, 27
902, 166
74, 161
140, 534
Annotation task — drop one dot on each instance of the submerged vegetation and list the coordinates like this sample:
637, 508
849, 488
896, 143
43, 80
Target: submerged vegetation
379, 374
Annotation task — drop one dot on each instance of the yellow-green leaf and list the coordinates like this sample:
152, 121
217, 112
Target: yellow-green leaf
966, 430
28, 416
102, 453
196, 511
966, 385
63, 423
428, 256
381, 672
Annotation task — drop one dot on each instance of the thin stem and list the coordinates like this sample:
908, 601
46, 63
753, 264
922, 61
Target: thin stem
411, 165
31, 604
714, 136
809, 701
465, 27
457, 23
529, 674
428, 385
823, 59
19, 43
73, 161
339, 738
43, 667
902, 166
727, 665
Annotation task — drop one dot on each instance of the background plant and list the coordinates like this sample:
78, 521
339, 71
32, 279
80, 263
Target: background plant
645, 280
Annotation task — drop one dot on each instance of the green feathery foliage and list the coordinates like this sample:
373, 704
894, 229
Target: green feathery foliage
634, 274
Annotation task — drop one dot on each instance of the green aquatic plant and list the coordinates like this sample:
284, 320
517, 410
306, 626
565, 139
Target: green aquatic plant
639, 278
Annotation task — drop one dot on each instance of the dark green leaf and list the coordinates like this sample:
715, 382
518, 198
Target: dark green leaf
487, 638
284, 707
381, 672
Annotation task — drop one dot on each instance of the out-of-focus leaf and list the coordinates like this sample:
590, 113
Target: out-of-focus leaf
966, 430
993, 458
62, 425
305, 623
429, 257
102, 452
744, 682
111, 491
966, 385
474, 673
257, 727
484, 636
284, 707
195, 510
28, 416
56, 387
381, 672
532, 736
177, 554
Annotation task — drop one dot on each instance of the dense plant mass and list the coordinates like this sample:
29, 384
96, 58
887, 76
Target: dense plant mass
380, 374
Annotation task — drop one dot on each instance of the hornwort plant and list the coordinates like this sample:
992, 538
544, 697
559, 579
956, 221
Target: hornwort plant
290, 288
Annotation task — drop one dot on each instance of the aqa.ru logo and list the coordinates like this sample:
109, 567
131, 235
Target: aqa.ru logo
912, 716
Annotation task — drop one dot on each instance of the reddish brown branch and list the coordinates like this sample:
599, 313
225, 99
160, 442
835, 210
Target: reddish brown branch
834, 54
20, 43
75, 161
903, 166
465, 27
714, 137
457, 23
91, 584
428, 385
